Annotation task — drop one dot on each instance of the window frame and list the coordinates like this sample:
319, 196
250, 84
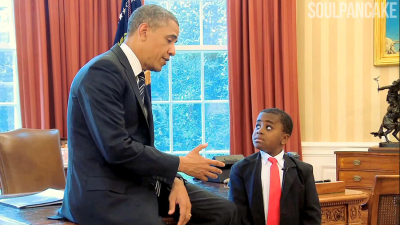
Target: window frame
11, 47
202, 49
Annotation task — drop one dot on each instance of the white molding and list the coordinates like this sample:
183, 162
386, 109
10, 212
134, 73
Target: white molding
323, 149
328, 172
330, 145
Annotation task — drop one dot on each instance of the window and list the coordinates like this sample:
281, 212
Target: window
190, 94
9, 95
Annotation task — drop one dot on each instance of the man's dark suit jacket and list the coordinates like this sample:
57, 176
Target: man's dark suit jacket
299, 199
113, 166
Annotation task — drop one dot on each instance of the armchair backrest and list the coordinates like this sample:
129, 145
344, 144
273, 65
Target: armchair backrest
30, 161
384, 202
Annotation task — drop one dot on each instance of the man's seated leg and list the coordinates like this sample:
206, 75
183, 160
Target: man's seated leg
210, 209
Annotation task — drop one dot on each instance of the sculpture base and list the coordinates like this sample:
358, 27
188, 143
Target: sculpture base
393, 148
389, 145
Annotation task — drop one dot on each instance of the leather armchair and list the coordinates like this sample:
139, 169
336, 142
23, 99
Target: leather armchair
30, 161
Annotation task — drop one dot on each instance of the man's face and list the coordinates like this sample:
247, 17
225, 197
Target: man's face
160, 45
268, 134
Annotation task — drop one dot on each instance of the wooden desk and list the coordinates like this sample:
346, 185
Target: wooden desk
342, 208
338, 208
14, 216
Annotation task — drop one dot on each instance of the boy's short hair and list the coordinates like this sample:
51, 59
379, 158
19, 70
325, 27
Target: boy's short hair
286, 120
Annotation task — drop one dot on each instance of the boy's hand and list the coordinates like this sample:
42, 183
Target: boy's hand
195, 165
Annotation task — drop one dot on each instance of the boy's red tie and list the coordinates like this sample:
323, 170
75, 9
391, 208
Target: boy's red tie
274, 194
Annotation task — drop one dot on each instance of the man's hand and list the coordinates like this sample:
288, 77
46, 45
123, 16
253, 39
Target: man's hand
195, 165
180, 196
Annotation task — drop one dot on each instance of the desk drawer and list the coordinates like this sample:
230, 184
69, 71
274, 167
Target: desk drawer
387, 163
360, 179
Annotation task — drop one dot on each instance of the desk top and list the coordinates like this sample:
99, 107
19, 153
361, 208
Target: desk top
13, 216
347, 196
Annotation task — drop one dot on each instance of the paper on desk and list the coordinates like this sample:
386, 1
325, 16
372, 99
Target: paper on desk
48, 197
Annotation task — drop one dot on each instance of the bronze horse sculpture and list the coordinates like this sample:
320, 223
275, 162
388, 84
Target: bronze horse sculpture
391, 120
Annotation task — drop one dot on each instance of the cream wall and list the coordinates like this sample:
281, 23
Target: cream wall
338, 97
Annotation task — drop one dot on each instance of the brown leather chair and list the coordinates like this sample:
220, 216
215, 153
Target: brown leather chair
30, 161
384, 202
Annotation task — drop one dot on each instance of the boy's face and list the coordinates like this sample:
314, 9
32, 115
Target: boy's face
268, 135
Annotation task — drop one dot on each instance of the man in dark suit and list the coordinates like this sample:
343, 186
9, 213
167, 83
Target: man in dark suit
115, 174
269, 187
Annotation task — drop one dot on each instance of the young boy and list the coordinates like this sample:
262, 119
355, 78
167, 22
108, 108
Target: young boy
269, 187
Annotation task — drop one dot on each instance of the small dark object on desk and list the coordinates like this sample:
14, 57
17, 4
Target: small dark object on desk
322, 181
229, 160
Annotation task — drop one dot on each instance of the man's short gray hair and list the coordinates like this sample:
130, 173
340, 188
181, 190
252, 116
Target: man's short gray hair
154, 15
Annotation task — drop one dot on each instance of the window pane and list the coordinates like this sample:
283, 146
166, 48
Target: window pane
186, 76
4, 23
188, 15
214, 22
163, 4
186, 126
4, 37
6, 91
4, 18
3, 4
6, 66
159, 85
216, 76
6, 77
161, 126
6, 118
217, 126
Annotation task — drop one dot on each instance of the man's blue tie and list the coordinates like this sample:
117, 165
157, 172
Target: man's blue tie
142, 85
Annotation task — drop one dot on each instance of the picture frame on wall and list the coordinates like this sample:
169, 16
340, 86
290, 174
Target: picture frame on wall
386, 33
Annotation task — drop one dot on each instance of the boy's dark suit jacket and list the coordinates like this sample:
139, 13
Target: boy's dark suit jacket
113, 166
299, 199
